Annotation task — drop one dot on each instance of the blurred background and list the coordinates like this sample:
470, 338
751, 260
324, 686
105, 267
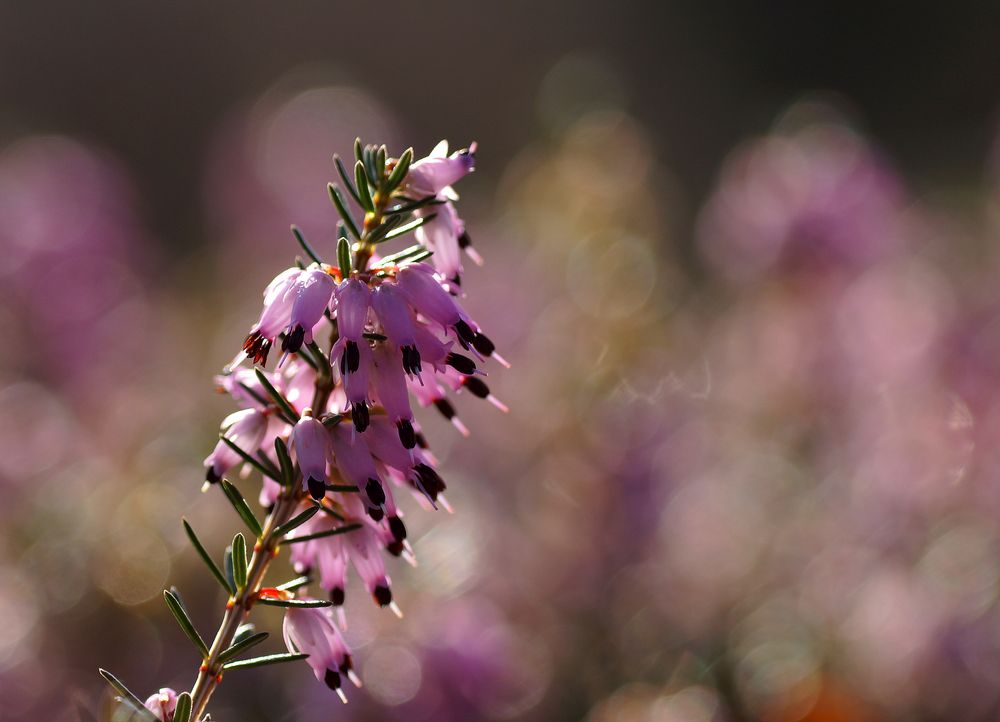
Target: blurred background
743, 260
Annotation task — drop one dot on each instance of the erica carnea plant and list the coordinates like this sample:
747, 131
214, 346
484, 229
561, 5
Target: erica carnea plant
330, 428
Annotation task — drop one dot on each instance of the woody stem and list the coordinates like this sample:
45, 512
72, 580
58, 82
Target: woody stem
238, 607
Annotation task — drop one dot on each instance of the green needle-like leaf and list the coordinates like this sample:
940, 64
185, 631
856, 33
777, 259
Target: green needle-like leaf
182, 712
256, 397
287, 467
422, 256
411, 226
296, 522
305, 244
348, 183
177, 595
344, 256
126, 696
299, 603
380, 165
206, 557
305, 353
227, 565
275, 472
327, 510
255, 463
381, 232
185, 622
407, 254
294, 584
399, 172
331, 421
244, 631
412, 205
292, 416
369, 165
261, 661
240, 561
341, 206
241, 507
362, 182
244, 644
359, 151
320, 534
318, 353
343, 488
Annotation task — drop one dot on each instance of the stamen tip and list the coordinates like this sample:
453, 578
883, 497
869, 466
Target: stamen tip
395, 609
238, 359
462, 428
498, 403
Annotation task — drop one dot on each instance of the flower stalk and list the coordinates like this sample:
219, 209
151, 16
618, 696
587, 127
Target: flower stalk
332, 432
238, 607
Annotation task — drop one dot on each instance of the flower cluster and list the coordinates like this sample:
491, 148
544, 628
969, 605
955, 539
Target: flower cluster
393, 326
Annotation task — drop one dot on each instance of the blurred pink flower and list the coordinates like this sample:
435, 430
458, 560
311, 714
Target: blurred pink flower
162, 704
816, 196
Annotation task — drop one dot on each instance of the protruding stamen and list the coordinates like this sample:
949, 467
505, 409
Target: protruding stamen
360, 416
465, 243
466, 335
445, 407
317, 488
292, 342
355, 679
407, 436
398, 528
477, 387
256, 347
500, 360
462, 364
237, 360
411, 360
375, 492
462, 428
352, 358
483, 344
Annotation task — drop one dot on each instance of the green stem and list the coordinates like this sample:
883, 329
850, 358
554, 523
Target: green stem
372, 221
238, 607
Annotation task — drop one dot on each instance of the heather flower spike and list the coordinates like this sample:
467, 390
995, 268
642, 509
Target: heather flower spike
331, 428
